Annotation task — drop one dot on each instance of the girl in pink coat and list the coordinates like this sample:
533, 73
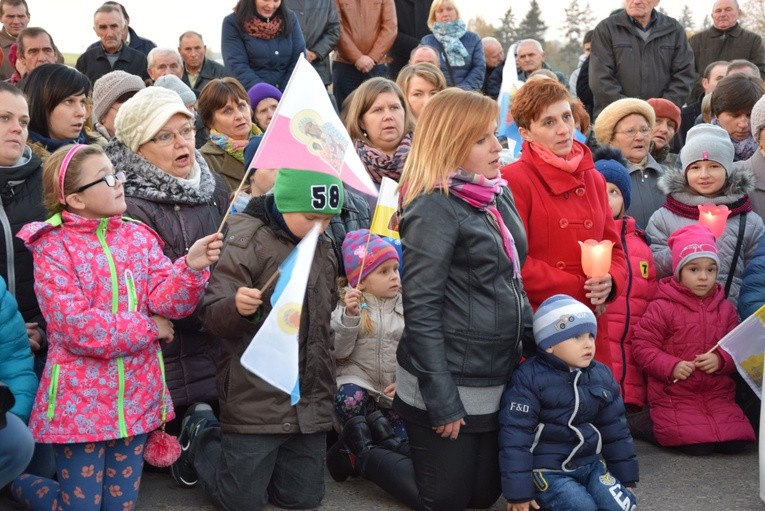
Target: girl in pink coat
107, 292
690, 392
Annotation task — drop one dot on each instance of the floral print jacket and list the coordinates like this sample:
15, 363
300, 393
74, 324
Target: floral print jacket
98, 282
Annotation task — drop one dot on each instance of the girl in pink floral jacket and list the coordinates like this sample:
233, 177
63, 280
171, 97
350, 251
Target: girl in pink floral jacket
107, 292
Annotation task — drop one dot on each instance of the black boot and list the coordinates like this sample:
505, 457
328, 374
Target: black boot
340, 462
383, 434
357, 437
394, 473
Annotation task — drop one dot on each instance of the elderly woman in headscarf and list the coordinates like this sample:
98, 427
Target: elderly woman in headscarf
170, 188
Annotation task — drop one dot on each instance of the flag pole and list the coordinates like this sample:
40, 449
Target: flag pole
228, 210
270, 280
707, 353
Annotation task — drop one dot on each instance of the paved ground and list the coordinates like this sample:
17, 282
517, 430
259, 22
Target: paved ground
669, 481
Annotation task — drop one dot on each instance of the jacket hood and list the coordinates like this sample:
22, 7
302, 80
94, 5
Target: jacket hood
740, 182
146, 181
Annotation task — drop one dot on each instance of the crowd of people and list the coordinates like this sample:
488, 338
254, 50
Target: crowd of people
476, 357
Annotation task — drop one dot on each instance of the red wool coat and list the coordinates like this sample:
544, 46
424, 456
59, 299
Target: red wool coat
559, 209
627, 309
678, 325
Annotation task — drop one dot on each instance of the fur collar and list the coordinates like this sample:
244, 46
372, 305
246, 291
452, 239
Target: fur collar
146, 181
740, 183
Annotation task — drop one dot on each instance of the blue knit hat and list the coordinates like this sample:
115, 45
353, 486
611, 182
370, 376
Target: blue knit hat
560, 318
609, 162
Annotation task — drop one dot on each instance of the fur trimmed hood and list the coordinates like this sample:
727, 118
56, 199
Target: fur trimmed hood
146, 181
740, 182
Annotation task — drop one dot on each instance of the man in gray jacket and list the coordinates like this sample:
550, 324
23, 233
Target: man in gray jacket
640, 53
320, 24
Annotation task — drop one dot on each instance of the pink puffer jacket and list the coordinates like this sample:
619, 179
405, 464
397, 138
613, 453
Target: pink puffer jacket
98, 282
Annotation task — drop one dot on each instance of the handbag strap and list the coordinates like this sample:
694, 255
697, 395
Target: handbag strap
736, 253
448, 66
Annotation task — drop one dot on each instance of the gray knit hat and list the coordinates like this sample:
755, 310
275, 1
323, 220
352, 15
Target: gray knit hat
143, 115
562, 317
108, 89
758, 118
175, 84
606, 122
707, 142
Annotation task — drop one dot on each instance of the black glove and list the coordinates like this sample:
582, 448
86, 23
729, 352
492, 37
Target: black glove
6, 402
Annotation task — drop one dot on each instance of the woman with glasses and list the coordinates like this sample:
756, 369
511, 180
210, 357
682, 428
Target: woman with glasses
225, 110
58, 109
170, 187
627, 125
562, 200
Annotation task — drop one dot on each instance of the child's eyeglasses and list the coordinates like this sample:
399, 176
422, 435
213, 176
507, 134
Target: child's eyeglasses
111, 181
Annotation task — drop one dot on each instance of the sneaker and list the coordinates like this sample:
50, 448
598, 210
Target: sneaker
195, 420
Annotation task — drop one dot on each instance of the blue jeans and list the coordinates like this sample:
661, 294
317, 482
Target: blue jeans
346, 79
588, 488
247, 471
16, 448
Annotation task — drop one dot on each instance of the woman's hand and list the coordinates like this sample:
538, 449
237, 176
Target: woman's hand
247, 301
522, 506
205, 251
165, 327
353, 299
451, 430
390, 390
708, 362
598, 289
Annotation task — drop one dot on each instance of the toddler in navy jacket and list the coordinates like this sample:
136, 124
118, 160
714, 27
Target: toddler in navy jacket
564, 440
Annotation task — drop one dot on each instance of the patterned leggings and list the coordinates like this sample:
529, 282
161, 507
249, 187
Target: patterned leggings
91, 477
352, 401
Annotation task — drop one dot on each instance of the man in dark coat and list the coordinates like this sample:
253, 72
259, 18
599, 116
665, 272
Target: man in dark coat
320, 24
412, 18
111, 53
198, 70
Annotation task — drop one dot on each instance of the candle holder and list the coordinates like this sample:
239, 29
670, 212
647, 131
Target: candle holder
596, 257
713, 217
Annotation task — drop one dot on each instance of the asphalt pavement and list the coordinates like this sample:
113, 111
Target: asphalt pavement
668, 481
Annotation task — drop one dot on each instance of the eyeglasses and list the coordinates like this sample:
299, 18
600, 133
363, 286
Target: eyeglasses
645, 130
164, 138
111, 181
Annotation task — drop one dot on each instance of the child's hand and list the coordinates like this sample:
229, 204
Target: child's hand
522, 506
247, 301
165, 328
708, 362
390, 390
598, 289
205, 251
35, 337
353, 299
683, 370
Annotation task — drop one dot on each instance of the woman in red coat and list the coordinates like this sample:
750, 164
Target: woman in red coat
561, 199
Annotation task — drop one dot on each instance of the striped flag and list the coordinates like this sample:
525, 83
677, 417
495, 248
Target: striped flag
273, 353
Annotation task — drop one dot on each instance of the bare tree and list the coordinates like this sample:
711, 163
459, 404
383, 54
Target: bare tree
753, 15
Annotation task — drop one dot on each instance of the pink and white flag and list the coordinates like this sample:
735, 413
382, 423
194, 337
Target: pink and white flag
306, 133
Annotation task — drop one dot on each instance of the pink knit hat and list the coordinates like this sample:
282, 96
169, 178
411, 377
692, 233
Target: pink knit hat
377, 252
691, 242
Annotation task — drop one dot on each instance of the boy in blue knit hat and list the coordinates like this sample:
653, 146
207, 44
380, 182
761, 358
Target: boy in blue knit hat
625, 311
562, 420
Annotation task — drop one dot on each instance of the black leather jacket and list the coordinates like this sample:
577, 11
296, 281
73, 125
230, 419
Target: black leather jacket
465, 315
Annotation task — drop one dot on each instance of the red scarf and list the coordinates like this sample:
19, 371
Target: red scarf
260, 29
568, 163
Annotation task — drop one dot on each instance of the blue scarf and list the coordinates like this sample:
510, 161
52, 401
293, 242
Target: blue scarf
449, 34
51, 145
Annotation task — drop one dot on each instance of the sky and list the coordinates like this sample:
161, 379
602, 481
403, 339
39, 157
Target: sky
71, 22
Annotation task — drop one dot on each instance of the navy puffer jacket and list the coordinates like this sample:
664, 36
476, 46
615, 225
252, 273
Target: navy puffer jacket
553, 418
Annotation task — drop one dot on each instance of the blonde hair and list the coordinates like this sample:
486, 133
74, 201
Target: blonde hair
51, 169
424, 70
437, 4
366, 322
362, 100
446, 131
